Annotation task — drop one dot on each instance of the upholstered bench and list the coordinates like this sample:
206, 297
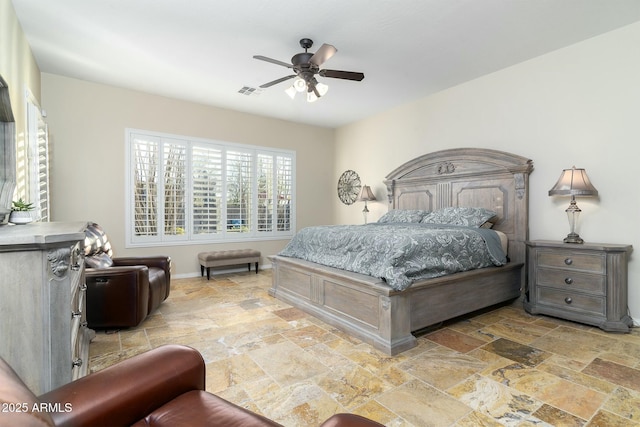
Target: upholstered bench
230, 257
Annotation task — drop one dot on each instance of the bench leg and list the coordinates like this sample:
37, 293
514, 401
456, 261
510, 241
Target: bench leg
256, 267
208, 273
249, 266
202, 271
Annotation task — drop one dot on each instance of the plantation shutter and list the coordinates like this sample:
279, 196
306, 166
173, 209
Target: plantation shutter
239, 191
175, 165
38, 161
265, 192
284, 191
207, 190
146, 164
42, 170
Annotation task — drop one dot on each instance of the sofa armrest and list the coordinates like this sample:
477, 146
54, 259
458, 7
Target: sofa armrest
129, 390
133, 271
159, 261
117, 296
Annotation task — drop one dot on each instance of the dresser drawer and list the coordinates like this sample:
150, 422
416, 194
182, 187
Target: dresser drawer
571, 301
570, 280
591, 262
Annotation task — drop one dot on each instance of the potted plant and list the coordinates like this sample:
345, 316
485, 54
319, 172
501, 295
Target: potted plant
20, 212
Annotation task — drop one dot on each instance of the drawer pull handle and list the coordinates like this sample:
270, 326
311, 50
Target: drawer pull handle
568, 261
568, 300
568, 280
76, 362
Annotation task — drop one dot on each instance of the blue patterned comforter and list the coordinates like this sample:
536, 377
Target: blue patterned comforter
399, 253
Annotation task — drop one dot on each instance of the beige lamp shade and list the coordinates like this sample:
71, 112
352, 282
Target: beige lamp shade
573, 182
366, 195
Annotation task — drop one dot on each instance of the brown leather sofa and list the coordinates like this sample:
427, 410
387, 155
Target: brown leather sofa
121, 292
162, 387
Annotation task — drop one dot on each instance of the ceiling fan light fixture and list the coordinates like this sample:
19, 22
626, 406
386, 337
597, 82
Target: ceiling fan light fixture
299, 84
320, 90
291, 91
311, 97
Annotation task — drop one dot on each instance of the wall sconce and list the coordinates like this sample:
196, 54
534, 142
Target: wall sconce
366, 195
573, 182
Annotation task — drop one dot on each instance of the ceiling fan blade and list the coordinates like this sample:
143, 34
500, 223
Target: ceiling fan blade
337, 74
273, 61
325, 52
275, 82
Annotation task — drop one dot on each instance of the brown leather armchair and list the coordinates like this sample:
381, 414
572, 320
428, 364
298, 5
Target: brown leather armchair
162, 387
121, 292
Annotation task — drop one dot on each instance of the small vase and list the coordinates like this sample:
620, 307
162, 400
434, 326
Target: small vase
20, 217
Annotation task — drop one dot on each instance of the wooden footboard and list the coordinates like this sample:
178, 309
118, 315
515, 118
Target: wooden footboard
368, 309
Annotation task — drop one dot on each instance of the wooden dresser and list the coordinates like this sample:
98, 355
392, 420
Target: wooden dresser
43, 331
585, 283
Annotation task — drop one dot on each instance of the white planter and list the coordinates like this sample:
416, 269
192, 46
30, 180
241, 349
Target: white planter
20, 217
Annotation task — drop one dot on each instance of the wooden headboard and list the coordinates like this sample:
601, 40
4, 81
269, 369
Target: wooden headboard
471, 177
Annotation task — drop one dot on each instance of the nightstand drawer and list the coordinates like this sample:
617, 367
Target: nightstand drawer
591, 262
569, 280
571, 300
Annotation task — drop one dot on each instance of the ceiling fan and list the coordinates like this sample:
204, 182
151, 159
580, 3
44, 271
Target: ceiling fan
306, 66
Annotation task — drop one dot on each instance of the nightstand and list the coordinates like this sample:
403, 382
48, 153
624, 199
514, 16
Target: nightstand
585, 283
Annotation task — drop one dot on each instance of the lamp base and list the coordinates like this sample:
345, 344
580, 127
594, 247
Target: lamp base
365, 211
573, 238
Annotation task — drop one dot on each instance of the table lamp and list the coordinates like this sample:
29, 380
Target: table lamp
366, 195
573, 182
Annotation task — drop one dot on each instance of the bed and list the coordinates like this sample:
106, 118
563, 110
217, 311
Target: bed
367, 307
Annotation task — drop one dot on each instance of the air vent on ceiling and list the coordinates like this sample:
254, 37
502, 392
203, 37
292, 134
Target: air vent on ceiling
250, 91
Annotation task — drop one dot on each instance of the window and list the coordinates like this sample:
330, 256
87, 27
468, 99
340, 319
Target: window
32, 162
184, 190
7, 153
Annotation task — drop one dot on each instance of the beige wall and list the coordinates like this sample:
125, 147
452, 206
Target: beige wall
576, 106
87, 124
18, 68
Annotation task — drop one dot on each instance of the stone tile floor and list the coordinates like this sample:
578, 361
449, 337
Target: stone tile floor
501, 367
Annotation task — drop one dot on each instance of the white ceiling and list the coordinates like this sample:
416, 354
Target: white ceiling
201, 50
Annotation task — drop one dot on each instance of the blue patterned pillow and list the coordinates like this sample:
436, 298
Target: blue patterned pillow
470, 217
404, 215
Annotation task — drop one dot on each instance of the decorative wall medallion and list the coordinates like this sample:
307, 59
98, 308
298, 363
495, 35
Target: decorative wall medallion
348, 187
